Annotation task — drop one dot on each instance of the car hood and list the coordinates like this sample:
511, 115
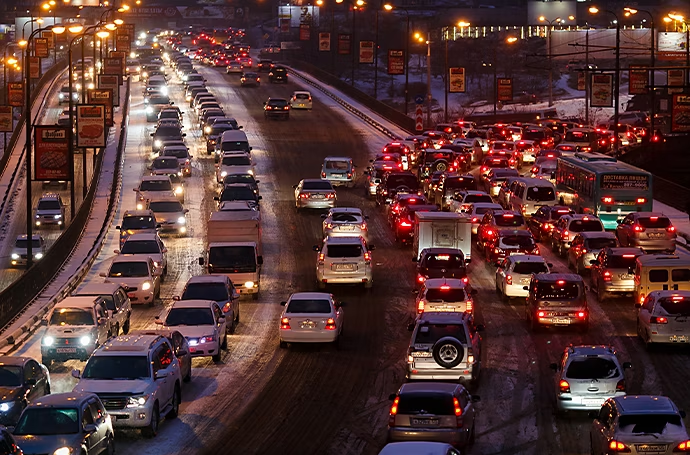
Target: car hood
113, 386
166, 171
10, 393
155, 194
195, 331
134, 282
168, 217
48, 212
48, 443
67, 331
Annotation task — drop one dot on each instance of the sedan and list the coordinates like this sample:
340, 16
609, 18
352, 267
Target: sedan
515, 272
137, 275
234, 67
148, 245
184, 159
345, 222
311, 317
250, 80
202, 322
165, 165
314, 194
664, 317
22, 380
170, 214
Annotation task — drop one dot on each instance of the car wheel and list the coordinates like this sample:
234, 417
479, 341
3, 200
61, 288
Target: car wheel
175, 408
553, 244
217, 357
237, 316
224, 346
601, 293
117, 330
47, 361
125, 327
283, 344
230, 328
322, 285
151, 430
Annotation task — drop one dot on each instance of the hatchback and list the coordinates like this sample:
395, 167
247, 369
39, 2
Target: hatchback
445, 295
516, 271
441, 263
311, 317
663, 317
612, 272
649, 231
344, 260
338, 170
557, 300
585, 248
301, 100
345, 222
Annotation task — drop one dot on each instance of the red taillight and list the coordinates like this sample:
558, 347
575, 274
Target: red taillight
641, 200
683, 447
304, 195
469, 306
420, 279
619, 447
465, 280
638, 228
330, 196
475, 220
541, 314
658, 320
404, 223
509, 279
564, 387
606, 275
547, 226
671, 229
363, 226
285, 324
393, 412
420, 307
367, 256
489, 232
620, 386
458, 413
445, 287
322, 257
566, 234
323, 175
330, 324
581, 314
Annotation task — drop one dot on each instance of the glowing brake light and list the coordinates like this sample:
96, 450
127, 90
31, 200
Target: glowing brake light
617, 446
606, 275
638, 228
322, 257
607, 200
683, 447
443, 257
641, 200
508, 215
330, 324
367, 256
285, 324
393, 412
421, 279
560, 282
404, 223
658, 320
445, 287
509, 279
564, 386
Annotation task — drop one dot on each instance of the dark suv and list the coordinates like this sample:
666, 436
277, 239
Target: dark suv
278, 74
557, 300
449, 184
441, 263
277, 108
393, 183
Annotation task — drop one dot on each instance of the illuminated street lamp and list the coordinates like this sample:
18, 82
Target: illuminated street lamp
407, 52
551, 23
652, 94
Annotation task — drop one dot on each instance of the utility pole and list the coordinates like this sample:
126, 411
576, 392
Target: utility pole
428, 80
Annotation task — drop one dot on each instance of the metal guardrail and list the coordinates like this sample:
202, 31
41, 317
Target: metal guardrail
18, 296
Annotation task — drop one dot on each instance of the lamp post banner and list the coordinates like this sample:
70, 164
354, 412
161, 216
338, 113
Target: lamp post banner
112, 82
344, 42
6, 119
90, 125
50, 36
102, 96
51, 153
396, 61
504, 86
675, 79
15, 94
581, 81
638, 78
456, 80
304, 32
680, 114
324, 42
366, 52
41, 48
34, 67
113, 65
123, 42
602, 90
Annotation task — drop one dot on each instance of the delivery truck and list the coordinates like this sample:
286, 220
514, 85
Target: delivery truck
442, 230
234, 249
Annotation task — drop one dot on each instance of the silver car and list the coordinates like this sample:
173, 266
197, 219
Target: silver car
165, 165
344, 260
151, 187
649, 231
664, 317
20, 250
184, 159
585, 248
147, 245
612, 271
314, 194
345, 222
66, 423
587, 376
50, 210
170, 214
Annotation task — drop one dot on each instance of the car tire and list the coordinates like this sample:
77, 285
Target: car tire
188, 376
117, 330
369, 284
283, 344
601, 293
175, 407
125, 326
448, 352
47, 361
255, 296
151, 430
217, 357
224, 346
322, 285
230, 328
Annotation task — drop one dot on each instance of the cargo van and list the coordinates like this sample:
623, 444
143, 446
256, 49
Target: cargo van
531, 193
661, 272
232, 141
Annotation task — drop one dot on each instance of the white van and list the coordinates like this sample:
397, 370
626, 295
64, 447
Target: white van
232, 141
531, 193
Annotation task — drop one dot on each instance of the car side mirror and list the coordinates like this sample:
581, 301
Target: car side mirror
283, 303
525, 288
116, 251
90, 428
30, 381
160, 374
682, 414
260, 260
619, 221
164, 250
221, 319
593, 415
182, 353
473, 292
151, 134
184, 134
392, 396
76, 374
251, 148
259, 198
627, 365
294, 186
102, 274
201, 261
186, 210
410, 327
549, 264
638, 305
366, 217
554, 366
372, 247
241, 128
118, 228
216, 198
257, 181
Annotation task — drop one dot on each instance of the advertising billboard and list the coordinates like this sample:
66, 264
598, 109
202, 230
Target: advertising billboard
51, 153
456, 80
91, 125
366, 52
602, 90
396, 62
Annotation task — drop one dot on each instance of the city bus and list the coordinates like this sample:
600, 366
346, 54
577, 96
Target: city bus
603, 186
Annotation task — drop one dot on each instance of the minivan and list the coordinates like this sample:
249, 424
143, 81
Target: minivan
557, 300
232, 141
661, 272
532, 193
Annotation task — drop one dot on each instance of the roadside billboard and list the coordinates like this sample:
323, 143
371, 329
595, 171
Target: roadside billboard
91, 125
51, 153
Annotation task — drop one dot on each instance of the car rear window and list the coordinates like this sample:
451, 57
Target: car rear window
445, 295
344, 251
443, 261
409, 181
472, 198
308, 306
601, 243
520, 241
302, 96
556, 214
534, 135
527, 268
317, 186
585, 226
497, 162
345, 217
237, 161
431, 333
677, 306
624, 261
660, 222
431, 403
509, 220
647, 423
462, 183
337, 165
541, 193
592, 368
557, 291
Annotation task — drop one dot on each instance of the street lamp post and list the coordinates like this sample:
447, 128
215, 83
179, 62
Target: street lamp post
551, 23
389, 7
652, 62
686, 25
428, 79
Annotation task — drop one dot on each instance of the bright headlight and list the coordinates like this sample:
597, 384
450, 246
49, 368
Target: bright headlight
149, 110
61, 96
140, 206
181, 220
15, 256
185, 77
146, 286
164, 90
57, 217
145, 74
48, 341
63, 451
135, 402
4, 407
207, 129
138, 68
249, 284
157, 264
157, 143
38, 255
163, 68
223, 174
178, 190
91, 86
188, 97
250, 172
85, 340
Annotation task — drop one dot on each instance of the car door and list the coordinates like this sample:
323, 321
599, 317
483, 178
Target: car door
645, 313
103, 330
338, 314
501, 272
220, 326
233, 296
92, 439
162, 359
600, 429
623, 230
99, 418
597, 267
34, 380
180, 346
575, 247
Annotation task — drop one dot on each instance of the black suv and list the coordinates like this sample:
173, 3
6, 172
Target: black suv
441, 263
393, 183
557, 300
278, 74
449, 185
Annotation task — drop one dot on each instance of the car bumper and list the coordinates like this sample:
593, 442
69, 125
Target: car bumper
455, 437
516, 290
47, 220
663, 335
335, 180
344, 279
317, 204
80, 352
452, 374
247, 291
332, 233
654, 245
140, 296
619, 287
204, 350
566, 403
325, 336
301, 106
565, 321
131, 418
173, 228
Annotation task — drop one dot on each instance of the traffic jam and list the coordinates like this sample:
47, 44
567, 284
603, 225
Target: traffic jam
564, 228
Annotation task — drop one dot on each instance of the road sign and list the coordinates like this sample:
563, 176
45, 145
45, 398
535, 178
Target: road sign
419, 99
419, 118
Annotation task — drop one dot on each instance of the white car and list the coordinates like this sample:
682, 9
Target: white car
477, 211
170, 214
147, 245
663, 317
301, 100
234, 67
344, 260
184, 159
234, 163
345, 222
515, 273
310, 317
165, 165
201, 322
449, 295
153, 187
138, 276
462, 200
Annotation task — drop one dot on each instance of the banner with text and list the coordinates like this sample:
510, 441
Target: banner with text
41, 49
90, 125
456, 80
396, 62
638, 78
504, 87
15, 94
304, 32
324, 42
6, 120
581, 81
113, 65
112, 82
102, 96
602, 90
34, 67
344, 42
51, 153
675, 79
50, 36
366, 52
123, 41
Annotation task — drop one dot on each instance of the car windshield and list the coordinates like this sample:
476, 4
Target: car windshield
426, 403
71, 316
48, 421
140, 247
557, 291
622, 261
235, 258
540, 193
189, 316
239, 160
591, 368
156, 185
498, 145
233, 146
10, 376
585, 226
238, 194
344, 251
138, 222
528, 268
520, 241
443, 261
51, 204
24, 244
165, 163
509, 220
654, 222
109, 367
445, 295
129, 269
336, 165
648, 423
308, 306
600, 243
431, 333
177, 153
675, 306
317, 186
206, 291
166, 207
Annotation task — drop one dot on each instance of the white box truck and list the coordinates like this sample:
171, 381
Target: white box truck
442, 230
234, 249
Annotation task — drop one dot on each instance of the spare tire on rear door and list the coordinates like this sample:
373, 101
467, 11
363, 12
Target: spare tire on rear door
440, 165
448, 352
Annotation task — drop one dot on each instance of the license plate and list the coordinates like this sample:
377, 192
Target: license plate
625, 276
344, 266
317, 196
678, 338
308, 325
655, 236
131, 294
66, 350
424, 422
347, 227
338, 175
592, 401
651, 448
561, 321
